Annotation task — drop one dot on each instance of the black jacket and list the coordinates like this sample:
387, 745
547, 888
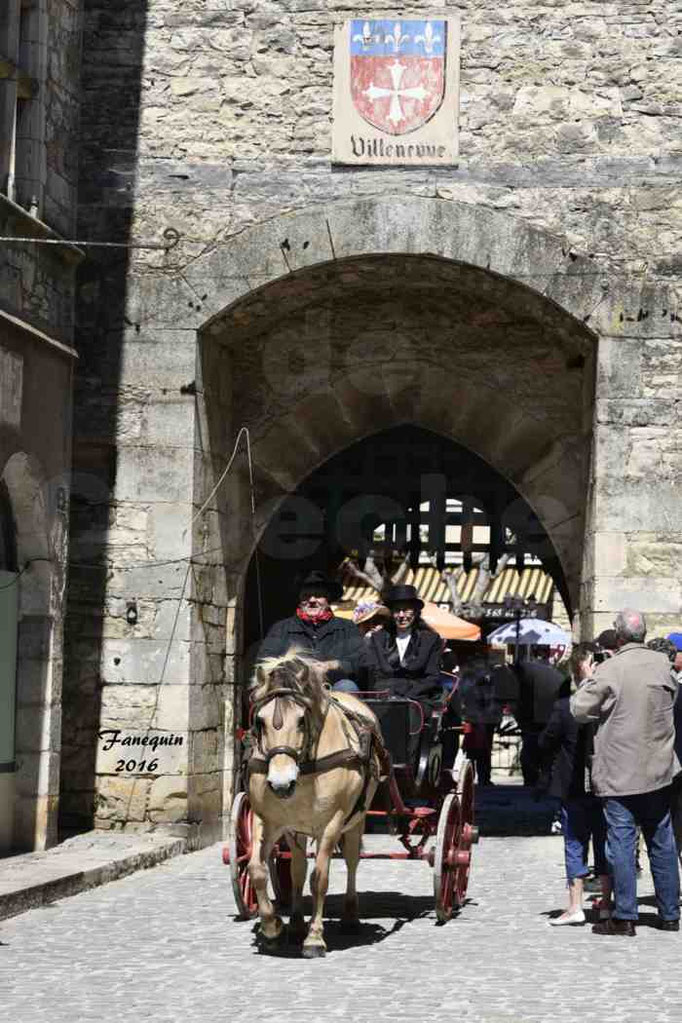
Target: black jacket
418, 677
539, 686
566, 747
677, 718
335, 640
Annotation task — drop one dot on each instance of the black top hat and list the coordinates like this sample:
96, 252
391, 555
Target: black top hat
396, 594
318, 583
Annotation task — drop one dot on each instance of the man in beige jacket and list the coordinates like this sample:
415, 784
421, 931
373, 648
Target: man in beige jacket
631, 696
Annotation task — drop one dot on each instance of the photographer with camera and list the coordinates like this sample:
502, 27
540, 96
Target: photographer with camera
567, 747
605, 645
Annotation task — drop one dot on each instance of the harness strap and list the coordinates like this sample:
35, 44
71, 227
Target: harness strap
370, 741
369, 738
258, 765
366, 736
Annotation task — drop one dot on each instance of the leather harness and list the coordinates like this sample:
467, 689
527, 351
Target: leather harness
368, 740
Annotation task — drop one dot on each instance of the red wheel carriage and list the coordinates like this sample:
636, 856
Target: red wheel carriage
420, 800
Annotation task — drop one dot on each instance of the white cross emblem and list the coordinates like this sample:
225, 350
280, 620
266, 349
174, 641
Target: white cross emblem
395, 114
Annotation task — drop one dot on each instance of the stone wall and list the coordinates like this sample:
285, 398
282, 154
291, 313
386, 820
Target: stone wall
47, 123
37, 288
62, 106
214, 119
37, 282
35, 445
568, 119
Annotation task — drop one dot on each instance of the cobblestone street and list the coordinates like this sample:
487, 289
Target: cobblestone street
163, 945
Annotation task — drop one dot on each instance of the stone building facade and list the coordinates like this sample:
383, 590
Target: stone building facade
39, 98
523, 303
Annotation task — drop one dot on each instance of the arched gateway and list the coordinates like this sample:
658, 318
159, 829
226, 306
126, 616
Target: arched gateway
320, 328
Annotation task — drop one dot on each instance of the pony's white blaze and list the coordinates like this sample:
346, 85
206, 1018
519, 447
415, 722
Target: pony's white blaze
282, 772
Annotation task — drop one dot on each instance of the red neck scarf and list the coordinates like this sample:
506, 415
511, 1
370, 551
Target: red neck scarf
323, 616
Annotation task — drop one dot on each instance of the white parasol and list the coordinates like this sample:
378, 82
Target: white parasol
531, 632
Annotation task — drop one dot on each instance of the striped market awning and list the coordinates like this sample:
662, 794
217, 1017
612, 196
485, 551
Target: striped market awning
531, 582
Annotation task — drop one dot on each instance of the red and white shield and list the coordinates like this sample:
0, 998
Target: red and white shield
397, 93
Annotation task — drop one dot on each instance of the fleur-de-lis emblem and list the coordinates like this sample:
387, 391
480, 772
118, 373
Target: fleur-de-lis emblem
397, 38
429, 39
366, 37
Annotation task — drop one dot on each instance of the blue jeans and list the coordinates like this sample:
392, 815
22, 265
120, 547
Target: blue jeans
651, 810
582, 818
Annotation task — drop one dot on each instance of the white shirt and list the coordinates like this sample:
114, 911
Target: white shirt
402, 644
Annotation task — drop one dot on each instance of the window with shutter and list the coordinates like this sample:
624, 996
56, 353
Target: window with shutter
22, 141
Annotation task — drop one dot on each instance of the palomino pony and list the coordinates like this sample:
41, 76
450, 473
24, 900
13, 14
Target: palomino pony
315, 768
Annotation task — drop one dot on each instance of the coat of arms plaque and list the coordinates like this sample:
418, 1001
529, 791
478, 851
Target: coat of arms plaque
396, 90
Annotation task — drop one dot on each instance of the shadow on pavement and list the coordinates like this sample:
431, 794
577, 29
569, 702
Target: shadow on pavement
397, 907
513, 810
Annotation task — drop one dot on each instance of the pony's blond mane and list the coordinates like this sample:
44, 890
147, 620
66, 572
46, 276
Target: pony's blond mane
308, 677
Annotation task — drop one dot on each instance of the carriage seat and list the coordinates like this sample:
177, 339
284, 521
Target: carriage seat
396, 718
411, 737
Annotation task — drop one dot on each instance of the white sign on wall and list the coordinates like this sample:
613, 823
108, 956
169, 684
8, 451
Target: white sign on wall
11, 387
396, 91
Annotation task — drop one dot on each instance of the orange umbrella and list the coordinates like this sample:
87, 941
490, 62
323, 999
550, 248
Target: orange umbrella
449, 626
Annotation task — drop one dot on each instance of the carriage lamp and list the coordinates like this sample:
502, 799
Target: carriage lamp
131, 612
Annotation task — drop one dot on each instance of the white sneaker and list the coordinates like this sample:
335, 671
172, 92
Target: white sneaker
568, 918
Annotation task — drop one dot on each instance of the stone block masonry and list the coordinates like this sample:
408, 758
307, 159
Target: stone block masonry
214, 119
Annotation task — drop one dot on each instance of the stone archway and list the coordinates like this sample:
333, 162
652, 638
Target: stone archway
300, 271
334, 324
338, 352
500, 244
413, 484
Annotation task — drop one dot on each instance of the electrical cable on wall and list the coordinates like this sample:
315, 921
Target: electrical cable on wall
170, 234
172, 239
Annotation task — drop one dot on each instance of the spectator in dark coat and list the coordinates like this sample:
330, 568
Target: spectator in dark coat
540, 684
568, 746
482, 710
315, 630
672, 648
404, 654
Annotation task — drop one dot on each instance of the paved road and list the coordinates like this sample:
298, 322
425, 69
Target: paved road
162, 945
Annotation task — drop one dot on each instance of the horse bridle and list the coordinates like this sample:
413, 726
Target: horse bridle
297, 755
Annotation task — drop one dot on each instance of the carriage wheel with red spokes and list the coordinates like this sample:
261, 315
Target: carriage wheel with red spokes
240, 845
468, 835
448, 839
280, 874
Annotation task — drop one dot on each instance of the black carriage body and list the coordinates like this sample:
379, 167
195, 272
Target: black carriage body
411, 734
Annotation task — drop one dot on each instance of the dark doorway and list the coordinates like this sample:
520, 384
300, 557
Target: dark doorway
408, 488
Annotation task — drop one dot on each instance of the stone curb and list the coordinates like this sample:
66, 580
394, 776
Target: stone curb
34, 880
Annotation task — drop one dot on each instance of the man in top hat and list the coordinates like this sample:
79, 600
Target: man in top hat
315, 629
